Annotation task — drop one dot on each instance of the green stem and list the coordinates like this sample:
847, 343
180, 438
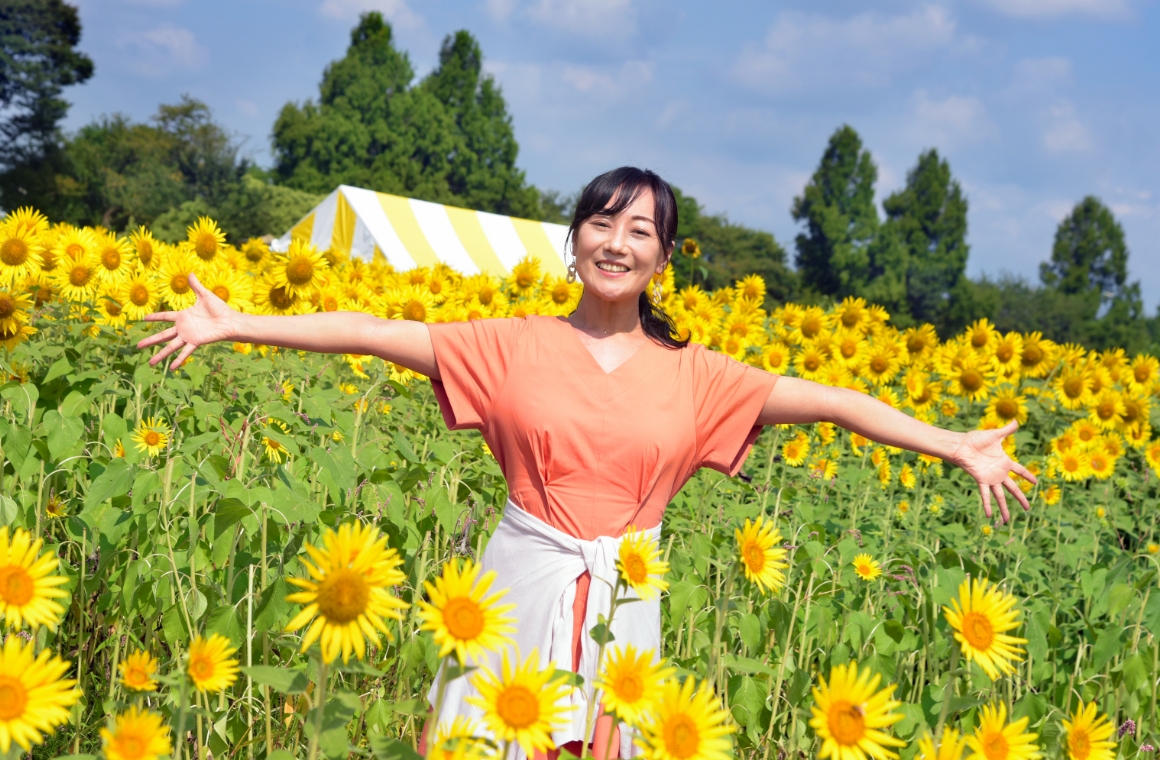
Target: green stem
948, 692
319, 707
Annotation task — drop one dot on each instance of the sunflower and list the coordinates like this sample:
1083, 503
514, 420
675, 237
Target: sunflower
10, 338
1152, 455
1073, 465
761, 554
29, 219
1137, 410
462, 616
273, 299
811, 322
971, 379
1107, 409
151, 436
810, 361
824, 469
795, 450
141, 295
145, 248
639, 563
1101, 465
20, 256
137, 735
56, 506
866, 567
850, 713
1008, 353
631, 683
881, 363
137, 671
950, 747
233, 287
14, 307
921, 393
1143, 374
115, 256
996, 739
521, 703
525, 274
28, 582
981, 618
211, 665
1089, 734
77, 278
981, 336
906, 477
1052, 494
111, 306
1037, 356
775, 357
1007, 404
34, 698
173, 279
920, 343
299, 270
459, 741
347, 594
205, 239
686, 725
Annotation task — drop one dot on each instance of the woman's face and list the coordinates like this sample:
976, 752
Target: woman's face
616, 256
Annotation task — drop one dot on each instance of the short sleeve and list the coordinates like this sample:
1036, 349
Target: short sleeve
473, 360
728, 397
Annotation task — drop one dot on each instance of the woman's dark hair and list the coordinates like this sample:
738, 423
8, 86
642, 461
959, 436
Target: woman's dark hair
613, 192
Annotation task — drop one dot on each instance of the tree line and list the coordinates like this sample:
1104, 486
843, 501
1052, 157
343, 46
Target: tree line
448, 138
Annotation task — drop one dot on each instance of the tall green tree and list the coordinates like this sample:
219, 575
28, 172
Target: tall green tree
837, 208
38, 59
447, 140
929, 218
483, 171
1089, 254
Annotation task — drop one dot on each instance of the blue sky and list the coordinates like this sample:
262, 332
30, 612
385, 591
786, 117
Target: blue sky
1036, 103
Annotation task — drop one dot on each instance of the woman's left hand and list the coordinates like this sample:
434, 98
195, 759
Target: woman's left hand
981, 454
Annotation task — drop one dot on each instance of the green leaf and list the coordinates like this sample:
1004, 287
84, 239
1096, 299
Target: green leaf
226, 513
282, 680
392, 749
59, 368
114, 481
74, 405
747, 666
749, 627
273, 609
1106, 646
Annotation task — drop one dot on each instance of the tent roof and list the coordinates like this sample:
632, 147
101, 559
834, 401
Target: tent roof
411, 233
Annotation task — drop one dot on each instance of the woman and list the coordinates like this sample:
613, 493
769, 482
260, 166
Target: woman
596, 419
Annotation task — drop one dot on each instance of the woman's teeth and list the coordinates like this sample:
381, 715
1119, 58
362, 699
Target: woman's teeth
607, 267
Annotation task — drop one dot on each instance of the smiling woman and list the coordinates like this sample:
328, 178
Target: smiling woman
597, 420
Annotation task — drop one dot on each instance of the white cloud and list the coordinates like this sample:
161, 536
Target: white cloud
803, 50
1056, 8
162, 48
500, 9
608, 85
1033, 76
951, 121
395, 11
1067, 134
599, 19
247, 107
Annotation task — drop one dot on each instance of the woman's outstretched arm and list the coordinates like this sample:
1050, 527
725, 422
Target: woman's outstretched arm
979, 452
210, 320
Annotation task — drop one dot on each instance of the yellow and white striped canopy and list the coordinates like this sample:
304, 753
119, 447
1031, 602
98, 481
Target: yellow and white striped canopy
412, 233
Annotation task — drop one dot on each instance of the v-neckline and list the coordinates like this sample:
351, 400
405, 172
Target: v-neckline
593, 364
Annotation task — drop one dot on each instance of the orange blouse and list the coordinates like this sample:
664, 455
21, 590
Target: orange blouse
591, 452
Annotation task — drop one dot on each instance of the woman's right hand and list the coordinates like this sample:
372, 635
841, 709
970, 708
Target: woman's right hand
207, 321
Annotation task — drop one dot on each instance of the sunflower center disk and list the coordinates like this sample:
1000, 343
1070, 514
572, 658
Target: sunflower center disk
754, 558
977, 630
222, 292
201, 668
299, 272
846, 722
1079, 744
995, 746
280, 298
518, 706
629, 687
13, 698
135, 677
682, 739
79, 276
343, 596
131, 747
180, 283
14, 252
139, 295
206, 246
7, 306
463, 618
635, 569
111, 259
16, 585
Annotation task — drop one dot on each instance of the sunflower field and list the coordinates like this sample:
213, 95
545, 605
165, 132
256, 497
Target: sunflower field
269, 554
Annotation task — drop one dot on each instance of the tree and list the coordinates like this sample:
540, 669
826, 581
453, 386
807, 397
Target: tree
837, 207
38, 59
447, 140
929, 217
483, 173
1089, 254
730, 251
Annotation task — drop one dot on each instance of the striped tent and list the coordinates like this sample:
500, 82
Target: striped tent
412, 233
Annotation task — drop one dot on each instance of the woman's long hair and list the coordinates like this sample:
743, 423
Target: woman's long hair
613, 192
